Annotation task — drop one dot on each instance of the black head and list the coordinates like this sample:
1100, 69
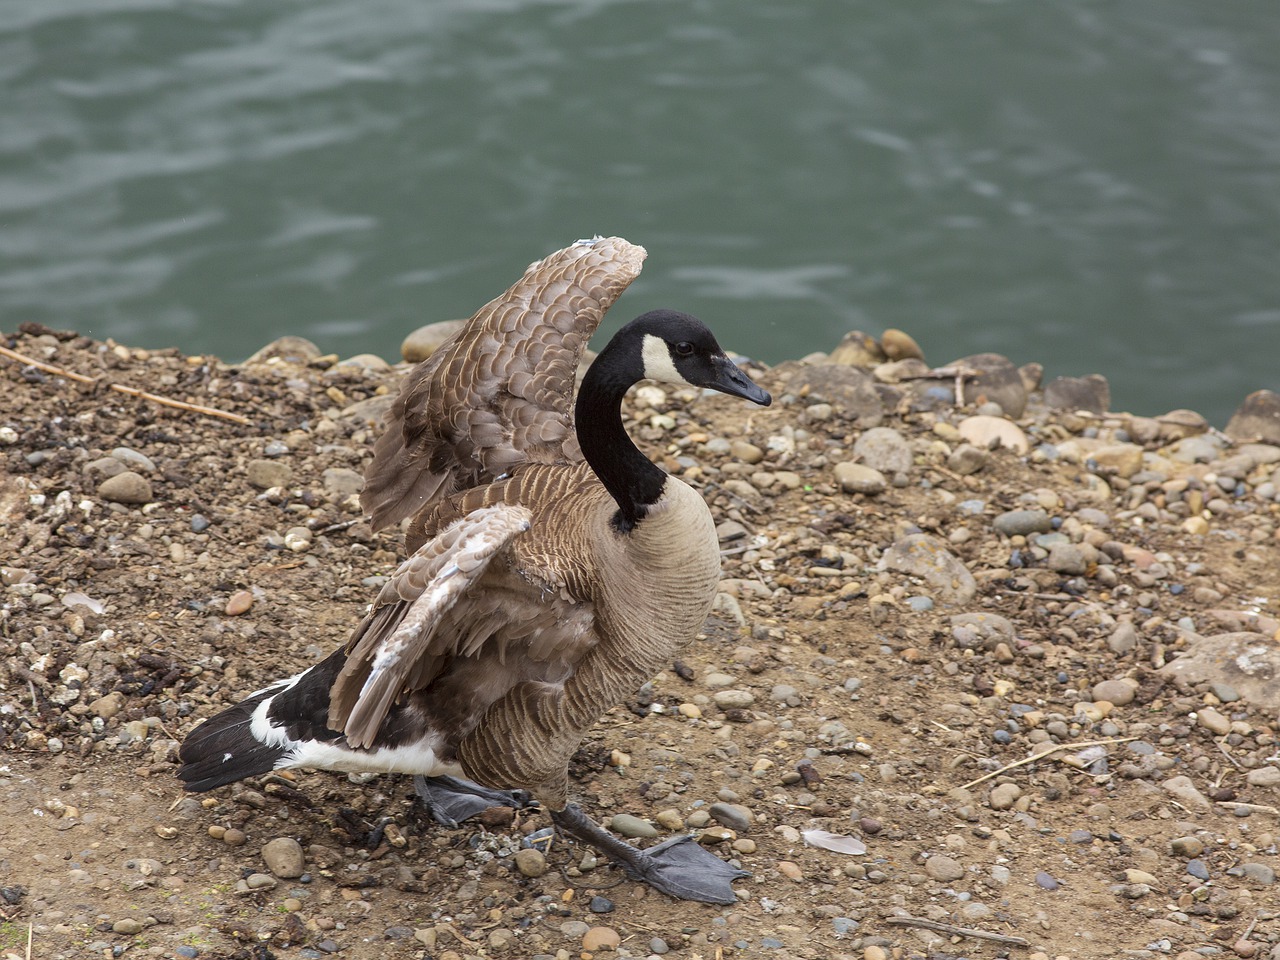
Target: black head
678, 348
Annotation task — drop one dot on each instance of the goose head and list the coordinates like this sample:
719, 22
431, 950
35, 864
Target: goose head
672, 347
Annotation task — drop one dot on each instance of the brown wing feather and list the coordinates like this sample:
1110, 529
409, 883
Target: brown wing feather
500, 393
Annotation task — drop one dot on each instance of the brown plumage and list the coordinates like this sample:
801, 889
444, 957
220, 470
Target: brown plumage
552, 568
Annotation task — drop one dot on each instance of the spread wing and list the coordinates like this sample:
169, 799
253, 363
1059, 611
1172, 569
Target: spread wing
500, 393
457, 597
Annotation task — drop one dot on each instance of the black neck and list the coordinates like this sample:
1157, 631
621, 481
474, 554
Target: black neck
629, 476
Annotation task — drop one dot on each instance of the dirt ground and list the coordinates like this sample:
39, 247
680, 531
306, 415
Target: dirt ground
833, 694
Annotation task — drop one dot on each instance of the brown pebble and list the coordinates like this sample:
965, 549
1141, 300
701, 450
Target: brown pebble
497, 816
790, 870
239, 602
870, 826
601, 938
234, 837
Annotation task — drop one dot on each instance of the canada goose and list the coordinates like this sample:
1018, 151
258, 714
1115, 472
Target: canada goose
553, 569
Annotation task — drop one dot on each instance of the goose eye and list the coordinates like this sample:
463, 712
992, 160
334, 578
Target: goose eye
684, 348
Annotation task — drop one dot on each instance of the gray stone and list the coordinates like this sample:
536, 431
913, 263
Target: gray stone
732, 815
633, 827
1257, 419
283, 857
1258, 873
1015, 523
1186, 793
1069, 558
990, 433
127, 487
1264, 777
733, 699
265, 474
967, 459
342, 482
1114, 691
531, 862
1123, 639
292, 349
1249, 662
134, 460
944, 869
103, 468
1004, 795
1091, 393
858, 478
926, 557
883, 449
851, 391
997, 381
1211, 720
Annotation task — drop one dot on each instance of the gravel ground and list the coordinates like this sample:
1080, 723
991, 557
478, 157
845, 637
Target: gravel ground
957, 699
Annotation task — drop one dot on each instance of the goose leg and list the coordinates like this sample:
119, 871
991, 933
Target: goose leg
450, 800
679, 867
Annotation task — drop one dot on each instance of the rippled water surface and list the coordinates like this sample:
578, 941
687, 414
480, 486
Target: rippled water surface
1095, 186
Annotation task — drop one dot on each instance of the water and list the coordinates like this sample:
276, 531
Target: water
1095, 186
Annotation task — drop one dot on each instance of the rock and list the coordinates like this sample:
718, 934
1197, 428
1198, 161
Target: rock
1249, 662
1070, 558
601, 938
850, 391
733, 816
1264, 777
745, 451
239, 603
857, 349
1186, 847
426, 340
1258, 873
883, 449
1114, 691
1022, 523
127, 926
103, 468
997, 381
292, 349
1091, 393
1003, 795
1123, 639
858, 478
926, 557
1211, 720
898, 345
1257, 419
990, 433
633, 827
1120, 459
283, 857
364, 361
342, 482
733, 699
967, 459
531, 862
1185, 792
133, 459
126, 487
265, 474
108, 706
943, 869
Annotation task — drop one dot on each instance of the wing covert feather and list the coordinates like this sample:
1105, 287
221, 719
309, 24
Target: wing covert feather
500, 393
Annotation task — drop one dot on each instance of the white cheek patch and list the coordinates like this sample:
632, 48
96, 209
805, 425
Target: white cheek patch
657, 361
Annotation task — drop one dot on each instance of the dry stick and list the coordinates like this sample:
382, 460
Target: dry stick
1044, 753
956, 931
121, 388
1237, 805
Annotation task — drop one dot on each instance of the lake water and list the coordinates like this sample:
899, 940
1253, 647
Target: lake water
1095, 186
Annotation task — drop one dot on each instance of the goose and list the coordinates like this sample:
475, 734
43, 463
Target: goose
551, 570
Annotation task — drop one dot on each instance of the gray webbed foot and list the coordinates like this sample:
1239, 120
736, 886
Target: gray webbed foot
449, 800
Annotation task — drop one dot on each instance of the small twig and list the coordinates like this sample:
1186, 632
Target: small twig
1041, 754
121, 388
1237, 805
1236, 763
341, 525
956, 931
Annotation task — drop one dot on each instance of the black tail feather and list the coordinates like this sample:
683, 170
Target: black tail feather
223, 749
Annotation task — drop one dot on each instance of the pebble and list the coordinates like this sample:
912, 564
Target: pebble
265, 474
1117, 692
127, 926
733, 699
858, 478
426, 340
1015, 523
601, 938
989, 433
633, 827
927, 557
884, 450
1184, 790
967, 459
1186, 846
531, 862
134, 459
599, 904
284, 857
239, 603
1264, 777
1123, 639
126, 487
234, 837
1259, 873
732, 815
1211, 720
1004, 795
944, 869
